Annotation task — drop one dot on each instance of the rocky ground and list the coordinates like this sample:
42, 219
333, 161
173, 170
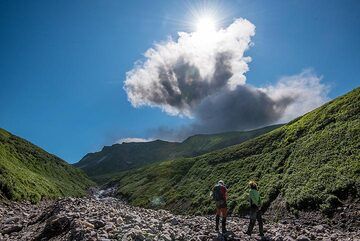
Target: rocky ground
107, 218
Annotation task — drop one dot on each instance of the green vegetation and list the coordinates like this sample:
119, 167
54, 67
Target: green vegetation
102, 166
29, 173
313, 161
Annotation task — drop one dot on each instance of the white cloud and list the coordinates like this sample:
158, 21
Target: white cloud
177, 75
203, 77
133, 139
305, 88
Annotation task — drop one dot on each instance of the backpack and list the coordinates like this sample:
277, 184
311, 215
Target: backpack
217, 195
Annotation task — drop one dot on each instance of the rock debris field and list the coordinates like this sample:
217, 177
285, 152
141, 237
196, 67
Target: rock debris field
108, 218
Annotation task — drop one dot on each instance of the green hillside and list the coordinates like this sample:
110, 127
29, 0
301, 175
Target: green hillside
125, 156
313, 162
29, 173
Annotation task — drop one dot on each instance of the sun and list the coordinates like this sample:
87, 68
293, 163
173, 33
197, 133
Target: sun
206, 25
206, 31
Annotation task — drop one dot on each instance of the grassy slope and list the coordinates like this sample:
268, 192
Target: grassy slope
200, 144
102, 165
124, 156
314, 162
28, 172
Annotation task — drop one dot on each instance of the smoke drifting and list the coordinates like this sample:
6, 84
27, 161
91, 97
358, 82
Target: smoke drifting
204, 79
177, 76
242, 108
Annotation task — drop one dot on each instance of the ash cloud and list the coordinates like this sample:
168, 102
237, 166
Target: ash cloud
177, 75
243, 108
204, 79
183, 88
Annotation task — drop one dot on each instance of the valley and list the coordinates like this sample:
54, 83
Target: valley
201, 120
104, 165
307, 171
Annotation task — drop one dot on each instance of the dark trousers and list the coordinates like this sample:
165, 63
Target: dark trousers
255, 214
223, 223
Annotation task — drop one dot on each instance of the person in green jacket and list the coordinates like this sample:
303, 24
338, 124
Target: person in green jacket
255, 209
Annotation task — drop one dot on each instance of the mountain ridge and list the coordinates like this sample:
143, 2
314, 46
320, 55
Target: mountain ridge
121, 157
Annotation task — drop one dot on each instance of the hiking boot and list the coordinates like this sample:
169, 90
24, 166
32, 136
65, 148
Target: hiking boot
223, 225
217, 222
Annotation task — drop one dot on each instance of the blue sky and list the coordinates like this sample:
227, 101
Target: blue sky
63, 63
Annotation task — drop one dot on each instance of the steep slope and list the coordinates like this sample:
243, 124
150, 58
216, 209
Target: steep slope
30, 173
200, 144
313, 163
125, 156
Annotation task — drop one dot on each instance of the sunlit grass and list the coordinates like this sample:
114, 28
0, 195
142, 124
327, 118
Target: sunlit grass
314, 162
29, 173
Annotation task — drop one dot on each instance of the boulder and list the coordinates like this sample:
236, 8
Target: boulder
302, 238
174, 221
98, 224
87, 224
12, 220
319, 228
11, 229
54, 226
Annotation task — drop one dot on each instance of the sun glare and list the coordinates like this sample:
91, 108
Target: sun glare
205, 25
205, 31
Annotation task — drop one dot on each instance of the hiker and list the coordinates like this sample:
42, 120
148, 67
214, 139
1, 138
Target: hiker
255, 209
220, 195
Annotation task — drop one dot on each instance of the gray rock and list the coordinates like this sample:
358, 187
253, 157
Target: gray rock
174, 221
11, 229
302, 238
87, 224
119, 220
111, 219
319, 228
278, 238
98, 223
109, 226
54, 226
288, 238
12, 220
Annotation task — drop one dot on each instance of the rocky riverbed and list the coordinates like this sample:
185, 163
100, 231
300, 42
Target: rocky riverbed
108, 218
